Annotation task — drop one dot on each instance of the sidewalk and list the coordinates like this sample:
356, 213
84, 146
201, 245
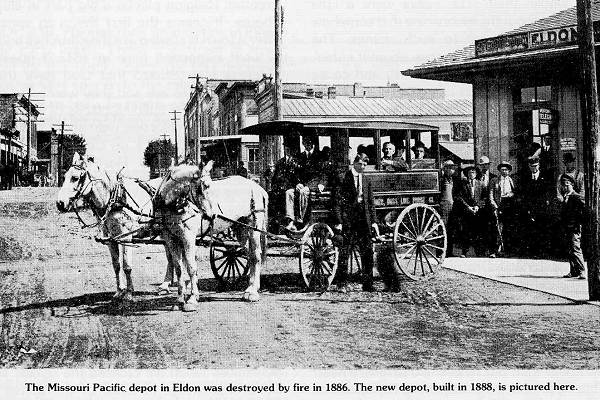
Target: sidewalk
541, 275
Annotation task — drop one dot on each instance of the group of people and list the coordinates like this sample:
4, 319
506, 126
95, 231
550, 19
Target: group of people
500, 214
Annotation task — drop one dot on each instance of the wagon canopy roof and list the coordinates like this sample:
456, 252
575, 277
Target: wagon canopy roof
324, 128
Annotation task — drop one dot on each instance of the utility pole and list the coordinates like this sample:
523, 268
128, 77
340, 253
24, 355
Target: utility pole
163, 148
175, 119
197, 90
28, 159
590, 116
275, 151
61, 138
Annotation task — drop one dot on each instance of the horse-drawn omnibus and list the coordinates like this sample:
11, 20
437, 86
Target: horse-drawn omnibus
191, 208
403, 202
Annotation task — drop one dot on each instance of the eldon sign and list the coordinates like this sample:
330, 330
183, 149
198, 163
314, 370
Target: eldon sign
518, 42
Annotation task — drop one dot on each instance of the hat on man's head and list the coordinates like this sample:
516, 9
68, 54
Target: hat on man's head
504, 164
448, 164
568, 157
418, 144
469, 167
533, 160
565, 177
484, 160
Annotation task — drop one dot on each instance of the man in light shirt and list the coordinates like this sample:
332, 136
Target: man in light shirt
502, 202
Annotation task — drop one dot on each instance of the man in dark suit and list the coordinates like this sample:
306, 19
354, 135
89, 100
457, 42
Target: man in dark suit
351, 213
572, 218
450, 184
309, 174
535, 199
489, 231
472, 201
502, 192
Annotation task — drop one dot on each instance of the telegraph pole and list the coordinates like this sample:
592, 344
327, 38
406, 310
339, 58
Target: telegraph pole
275, 152
163, 148
61, 138
591, 155
197, 89
175, 119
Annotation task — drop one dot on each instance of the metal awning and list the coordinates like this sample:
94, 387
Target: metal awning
463, 150
285, 128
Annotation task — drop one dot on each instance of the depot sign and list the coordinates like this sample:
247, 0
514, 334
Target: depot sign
528, 41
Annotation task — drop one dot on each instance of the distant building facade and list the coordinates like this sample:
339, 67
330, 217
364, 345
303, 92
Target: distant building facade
14, 108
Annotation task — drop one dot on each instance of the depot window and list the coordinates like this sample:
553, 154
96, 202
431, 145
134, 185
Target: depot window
536, 94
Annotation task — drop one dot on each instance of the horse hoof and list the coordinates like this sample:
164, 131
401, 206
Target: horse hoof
176, 307
162, 292
251, 297
128, 297
190, 307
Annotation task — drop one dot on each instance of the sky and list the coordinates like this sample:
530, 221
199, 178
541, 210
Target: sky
114, 70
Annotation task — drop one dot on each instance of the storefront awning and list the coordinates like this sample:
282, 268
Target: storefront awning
463, 150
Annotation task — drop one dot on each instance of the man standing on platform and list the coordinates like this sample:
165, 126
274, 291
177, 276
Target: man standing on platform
576, 174
449, 186
502, 202
353, 220
572, 218
472, 202
534, 191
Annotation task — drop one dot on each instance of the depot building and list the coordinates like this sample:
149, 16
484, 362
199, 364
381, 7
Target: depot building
525, 91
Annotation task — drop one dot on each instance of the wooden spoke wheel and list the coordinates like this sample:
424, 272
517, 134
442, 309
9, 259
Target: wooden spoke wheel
318, 257
228, 259
354, 260
419, 241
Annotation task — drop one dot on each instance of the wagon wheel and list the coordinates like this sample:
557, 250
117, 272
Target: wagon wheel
318, 257
228, 259
354, 259
419, 241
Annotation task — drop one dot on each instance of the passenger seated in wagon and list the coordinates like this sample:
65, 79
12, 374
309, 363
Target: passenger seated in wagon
310, 175
390, 161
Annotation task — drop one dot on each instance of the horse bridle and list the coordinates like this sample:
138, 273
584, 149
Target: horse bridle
79, 194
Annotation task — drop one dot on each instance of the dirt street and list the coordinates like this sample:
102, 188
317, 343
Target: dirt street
56, 284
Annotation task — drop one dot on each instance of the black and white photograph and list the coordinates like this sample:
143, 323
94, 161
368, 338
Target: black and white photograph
279, 199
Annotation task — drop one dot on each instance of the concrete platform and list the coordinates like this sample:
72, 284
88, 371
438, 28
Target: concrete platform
542, 275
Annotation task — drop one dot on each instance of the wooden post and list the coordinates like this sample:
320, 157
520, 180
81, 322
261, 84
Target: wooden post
175, 119
377, 159
276, 145
29, 130
591, 155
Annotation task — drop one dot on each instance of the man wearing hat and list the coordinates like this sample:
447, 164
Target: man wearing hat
572, 218
471, 203
450, 185
489, 231
535, 194
502, 203
576, 174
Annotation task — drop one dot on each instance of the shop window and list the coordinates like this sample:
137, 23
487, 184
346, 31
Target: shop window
253, 164
536, 94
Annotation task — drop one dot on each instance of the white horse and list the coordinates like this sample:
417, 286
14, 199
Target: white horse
187, 195
121, 206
